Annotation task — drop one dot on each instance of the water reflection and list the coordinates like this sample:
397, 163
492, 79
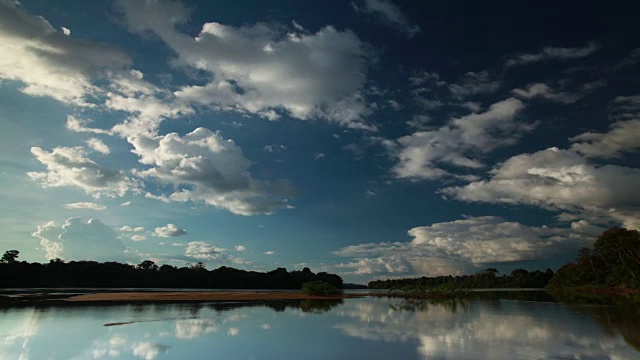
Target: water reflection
499, 326
488, 326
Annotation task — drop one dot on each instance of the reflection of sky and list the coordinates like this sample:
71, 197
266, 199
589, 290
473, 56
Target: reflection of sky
359, 327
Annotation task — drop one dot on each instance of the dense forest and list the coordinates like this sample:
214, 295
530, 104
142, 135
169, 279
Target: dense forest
83, 274
614, 261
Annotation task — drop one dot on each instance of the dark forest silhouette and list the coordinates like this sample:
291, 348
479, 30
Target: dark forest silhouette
60, 274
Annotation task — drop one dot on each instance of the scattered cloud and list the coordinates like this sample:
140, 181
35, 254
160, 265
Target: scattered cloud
240, 248
70, 166
80, 239
318, 156
545, 92
203, 251
463, 246
203, 166
264, 69
98, 145
549, 53
169, 231
623, 134
389, 13
459, 143
274, 148
131, 229
559, 180
51, 63
138, 238
270, 252
85, 205
126, 203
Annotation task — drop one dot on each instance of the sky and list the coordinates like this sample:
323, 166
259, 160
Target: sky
369, 138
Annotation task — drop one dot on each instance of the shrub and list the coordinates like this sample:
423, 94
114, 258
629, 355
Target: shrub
320, 288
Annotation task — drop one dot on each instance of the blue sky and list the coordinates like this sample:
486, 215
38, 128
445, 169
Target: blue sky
371, 138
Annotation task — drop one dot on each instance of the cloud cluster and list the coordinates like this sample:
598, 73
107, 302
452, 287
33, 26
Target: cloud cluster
201, 250
559, 180
389, 13
70, 166
549, 53
203, 166
621, 138
463, 246
80, 239
458, 144
169, 231
263, 69
51, 63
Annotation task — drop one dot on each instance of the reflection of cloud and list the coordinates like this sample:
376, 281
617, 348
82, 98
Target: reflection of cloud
486, 330
149, 351
193, 328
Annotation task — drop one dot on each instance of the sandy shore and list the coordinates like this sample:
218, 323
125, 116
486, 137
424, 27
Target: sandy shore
201, 296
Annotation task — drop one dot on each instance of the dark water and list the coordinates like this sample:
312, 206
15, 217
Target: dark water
489, 326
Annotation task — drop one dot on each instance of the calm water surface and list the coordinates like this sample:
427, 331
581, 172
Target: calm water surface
489, 327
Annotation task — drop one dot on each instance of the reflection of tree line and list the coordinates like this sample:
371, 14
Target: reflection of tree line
618, 314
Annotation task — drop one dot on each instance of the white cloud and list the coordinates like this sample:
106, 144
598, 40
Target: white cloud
79, 239
48, 62
390, 13
203, 166
459, 143
80, 125
274, 148
560, 180
69, 166
270, 252
240, 248
318, 156
126, 203
203, 251
148, 351
264, 69
623, 134
65, 30
169, 231
194, 328
463, 246
98, 145
545, 92
553, 53
131, 229
85, 205
233, 331
474, 83
138, 238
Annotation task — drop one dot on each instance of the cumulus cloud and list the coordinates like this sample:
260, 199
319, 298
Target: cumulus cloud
263, 69
459, 143
463, 246
85, 205
559, 180
550, 53
203, 166
80, 239
389, 13
169, 231
623, 134
203, 251
131, 229
240, 248
138, 238
98, 145
51, 63
70, 166
474, 83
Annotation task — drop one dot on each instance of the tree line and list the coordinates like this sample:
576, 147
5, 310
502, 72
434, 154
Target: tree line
91, 274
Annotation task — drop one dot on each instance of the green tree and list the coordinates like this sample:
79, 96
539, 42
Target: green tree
148, 265
10, 256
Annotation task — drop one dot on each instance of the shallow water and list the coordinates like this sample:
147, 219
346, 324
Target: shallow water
487, 327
